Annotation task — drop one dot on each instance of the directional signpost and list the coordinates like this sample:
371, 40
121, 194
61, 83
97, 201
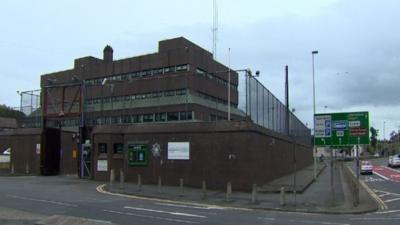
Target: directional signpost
341, 129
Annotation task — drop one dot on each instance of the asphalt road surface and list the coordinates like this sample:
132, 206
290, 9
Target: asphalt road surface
71, 196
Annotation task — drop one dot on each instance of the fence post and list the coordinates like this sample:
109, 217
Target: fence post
12, 168
181, 187
229, 192
139, 182
204, 189
112, 177
282, 200
27, 168
159, 184
254, 194
121, 178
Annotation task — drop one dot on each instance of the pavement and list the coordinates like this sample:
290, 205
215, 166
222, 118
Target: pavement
311, 196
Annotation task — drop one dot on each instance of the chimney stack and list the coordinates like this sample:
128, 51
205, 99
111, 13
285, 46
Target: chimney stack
108, 54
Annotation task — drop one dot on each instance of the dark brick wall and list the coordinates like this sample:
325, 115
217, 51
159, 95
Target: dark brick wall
23, 144
259, 155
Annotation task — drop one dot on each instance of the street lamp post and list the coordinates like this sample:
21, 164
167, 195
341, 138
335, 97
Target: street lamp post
314, 149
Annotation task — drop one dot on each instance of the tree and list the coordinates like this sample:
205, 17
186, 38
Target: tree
6, 111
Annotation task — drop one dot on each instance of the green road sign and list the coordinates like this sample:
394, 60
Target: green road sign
339, 129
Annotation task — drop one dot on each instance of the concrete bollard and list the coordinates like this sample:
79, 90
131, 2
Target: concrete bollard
121, 179
27, 168
181, 194
12, 168
282, 200
204, 189
254, 194
159, 184
229, 192
139, 182
112, 177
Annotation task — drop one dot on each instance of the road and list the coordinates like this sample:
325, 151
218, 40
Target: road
74, 197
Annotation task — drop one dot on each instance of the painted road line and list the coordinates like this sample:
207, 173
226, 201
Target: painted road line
387, 173
375, 218
389, 211
392, 200
190, 206
165, 212
382, 204
42, 200
152, 217
383, 195
100, 189
315, 222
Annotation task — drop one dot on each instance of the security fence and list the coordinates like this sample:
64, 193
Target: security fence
30, 106
266, 110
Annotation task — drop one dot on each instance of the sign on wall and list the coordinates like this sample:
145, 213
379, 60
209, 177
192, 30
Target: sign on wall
138, 154
338, 129
102, 165
178, 150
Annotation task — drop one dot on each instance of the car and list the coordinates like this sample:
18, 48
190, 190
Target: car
366, 167
394, 161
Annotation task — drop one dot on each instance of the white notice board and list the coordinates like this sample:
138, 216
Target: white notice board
178, 150
102, 165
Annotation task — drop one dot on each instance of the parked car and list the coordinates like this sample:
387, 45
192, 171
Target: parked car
366, 167
394, 161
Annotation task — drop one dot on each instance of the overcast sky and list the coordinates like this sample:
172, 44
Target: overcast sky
357, 68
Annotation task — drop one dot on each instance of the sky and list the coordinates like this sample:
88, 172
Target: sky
357, 67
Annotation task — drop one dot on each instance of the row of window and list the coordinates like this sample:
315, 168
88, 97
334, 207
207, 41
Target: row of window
216, 78
137, 96
118, 148
139, 74
148, 95
214, 99
142, 118
217, 118
126, 119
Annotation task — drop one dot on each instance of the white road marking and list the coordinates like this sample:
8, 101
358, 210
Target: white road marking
152, 217
392, 200
166, 212
316, 222
378, 174
100, 189
376, 218
389, 211
382, 195
266, 218
190, 206
42, 200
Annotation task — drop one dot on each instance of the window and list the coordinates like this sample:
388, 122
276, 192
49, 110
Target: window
148, 118
172, 116
135, 119
161, 117
169, 93
181, 92
182, 68
158, 71
102, 148
118, 148
213, 117
126, 119
185, 115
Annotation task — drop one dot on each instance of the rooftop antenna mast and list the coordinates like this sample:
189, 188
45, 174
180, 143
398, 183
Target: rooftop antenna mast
215, 28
